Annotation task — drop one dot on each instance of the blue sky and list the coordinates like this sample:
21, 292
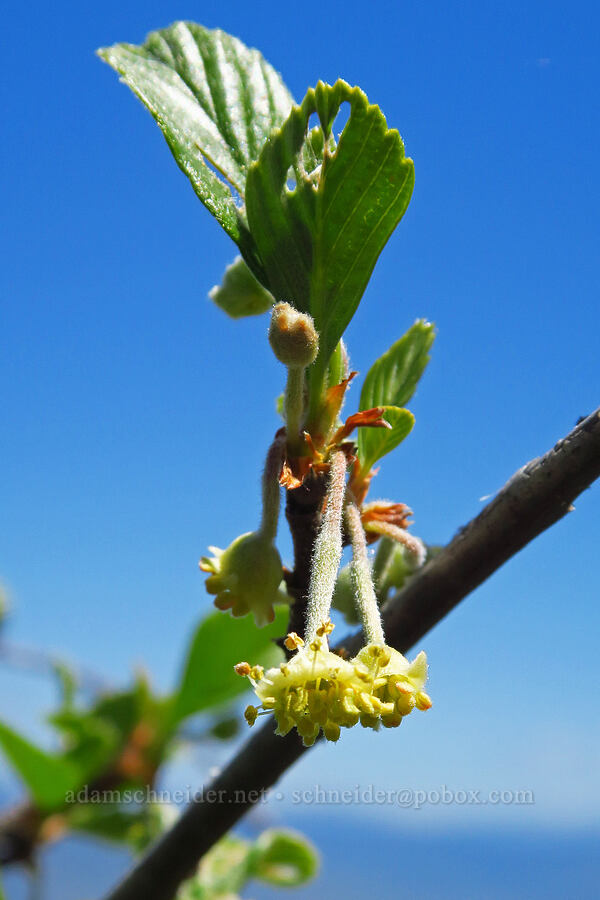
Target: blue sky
135, 416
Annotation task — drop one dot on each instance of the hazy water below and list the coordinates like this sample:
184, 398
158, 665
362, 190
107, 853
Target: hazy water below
362, 857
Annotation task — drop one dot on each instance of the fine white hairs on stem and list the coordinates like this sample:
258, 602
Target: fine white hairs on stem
366, 599
293, 403
295, 343
413, 544
271, 489
328, 549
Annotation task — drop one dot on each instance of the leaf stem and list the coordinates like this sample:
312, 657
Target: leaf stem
328, 549
366, 599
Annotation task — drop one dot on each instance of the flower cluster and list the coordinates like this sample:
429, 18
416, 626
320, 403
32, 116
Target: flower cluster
317, 690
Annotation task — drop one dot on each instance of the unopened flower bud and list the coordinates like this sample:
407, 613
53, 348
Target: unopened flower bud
293, 336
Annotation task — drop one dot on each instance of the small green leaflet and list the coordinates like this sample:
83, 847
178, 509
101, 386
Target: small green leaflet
390, 382
393, 378
373, 443
240, 294
215, 100
319, 238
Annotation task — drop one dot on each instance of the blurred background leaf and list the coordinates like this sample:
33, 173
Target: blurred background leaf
279, 857
208, 677
283, 858
47, 776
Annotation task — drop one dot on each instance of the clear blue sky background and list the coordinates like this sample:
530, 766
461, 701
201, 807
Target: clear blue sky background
135, 416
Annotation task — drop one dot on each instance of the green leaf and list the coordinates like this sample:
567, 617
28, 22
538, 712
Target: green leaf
373, 443
104, 821
393, 378
91, 742
136, 828
319, 239
338, 366
215, 100
48, 777
123, 710
222, 872
390, 382
2, 894
283, 858
94, 737
219, 643
240, 294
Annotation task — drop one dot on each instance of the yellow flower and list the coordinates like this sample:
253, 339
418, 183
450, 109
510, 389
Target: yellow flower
246, 577
319, 691
312, 692
388, 686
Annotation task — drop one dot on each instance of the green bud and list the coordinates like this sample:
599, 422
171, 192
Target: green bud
293, 336
344, 596
245, 577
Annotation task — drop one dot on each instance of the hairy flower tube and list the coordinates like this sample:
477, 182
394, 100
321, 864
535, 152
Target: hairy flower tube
246, 576
319, 691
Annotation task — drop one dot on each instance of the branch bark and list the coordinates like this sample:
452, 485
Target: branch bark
536, 497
